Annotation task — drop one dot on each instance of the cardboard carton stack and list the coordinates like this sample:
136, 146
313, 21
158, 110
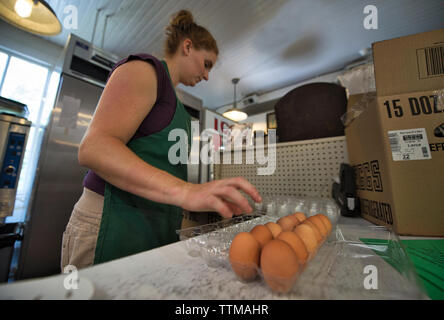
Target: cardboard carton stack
396, 144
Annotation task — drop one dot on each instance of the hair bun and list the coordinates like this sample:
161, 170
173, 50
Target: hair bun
181, 27
183, 20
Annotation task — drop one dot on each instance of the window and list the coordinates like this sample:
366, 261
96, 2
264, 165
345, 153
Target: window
3, 60
25, 82
36, 86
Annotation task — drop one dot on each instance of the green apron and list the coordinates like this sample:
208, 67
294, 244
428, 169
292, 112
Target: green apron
132, 224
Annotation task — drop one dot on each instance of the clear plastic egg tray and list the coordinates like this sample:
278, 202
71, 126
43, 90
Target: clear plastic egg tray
212, 241
280, 206
338, 271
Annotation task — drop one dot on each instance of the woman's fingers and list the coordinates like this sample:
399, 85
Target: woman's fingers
232, 195
221, 207
235, 209
223, 196
245, 186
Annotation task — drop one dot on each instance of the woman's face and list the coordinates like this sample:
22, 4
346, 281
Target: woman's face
198, 65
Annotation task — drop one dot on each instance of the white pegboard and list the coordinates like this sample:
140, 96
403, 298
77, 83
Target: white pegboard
303, 168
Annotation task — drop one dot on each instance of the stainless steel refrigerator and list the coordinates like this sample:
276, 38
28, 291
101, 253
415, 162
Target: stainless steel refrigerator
58, 183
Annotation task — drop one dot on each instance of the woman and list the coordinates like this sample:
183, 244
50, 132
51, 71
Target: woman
133, 196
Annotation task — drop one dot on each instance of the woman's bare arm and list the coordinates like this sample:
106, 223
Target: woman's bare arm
126, 100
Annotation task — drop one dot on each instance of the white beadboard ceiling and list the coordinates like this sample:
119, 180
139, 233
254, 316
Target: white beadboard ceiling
268, 44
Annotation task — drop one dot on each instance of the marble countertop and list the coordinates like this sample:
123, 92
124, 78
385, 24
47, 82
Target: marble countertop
170, 272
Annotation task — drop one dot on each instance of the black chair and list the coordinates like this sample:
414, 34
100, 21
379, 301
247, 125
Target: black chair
311, 111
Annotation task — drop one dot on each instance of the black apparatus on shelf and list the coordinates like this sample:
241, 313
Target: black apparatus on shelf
344, 192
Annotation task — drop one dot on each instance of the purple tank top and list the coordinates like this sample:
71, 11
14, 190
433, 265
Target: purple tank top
159, 117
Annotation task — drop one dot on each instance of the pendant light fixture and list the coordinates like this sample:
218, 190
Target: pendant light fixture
234, 113
35, 16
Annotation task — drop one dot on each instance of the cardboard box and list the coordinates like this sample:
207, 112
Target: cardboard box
396, 144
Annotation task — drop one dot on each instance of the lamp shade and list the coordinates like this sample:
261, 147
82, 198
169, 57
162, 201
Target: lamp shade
40, 20
235, 114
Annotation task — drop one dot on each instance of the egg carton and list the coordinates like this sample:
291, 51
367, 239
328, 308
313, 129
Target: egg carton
212, 241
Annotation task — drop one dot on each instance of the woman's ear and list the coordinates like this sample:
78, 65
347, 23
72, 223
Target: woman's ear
186, 46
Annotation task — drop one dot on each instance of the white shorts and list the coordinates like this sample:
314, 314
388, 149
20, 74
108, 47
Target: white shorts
80, 237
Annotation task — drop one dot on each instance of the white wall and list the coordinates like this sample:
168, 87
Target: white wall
189, 99
259, 121
32, 46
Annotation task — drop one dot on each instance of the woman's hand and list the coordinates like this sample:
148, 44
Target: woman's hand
222, 196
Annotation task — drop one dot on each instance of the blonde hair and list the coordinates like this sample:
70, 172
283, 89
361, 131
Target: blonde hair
182, 26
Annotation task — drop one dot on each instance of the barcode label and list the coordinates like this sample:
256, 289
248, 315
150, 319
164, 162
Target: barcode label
394, 142
431, 61
434, 60
410, 144
412, 137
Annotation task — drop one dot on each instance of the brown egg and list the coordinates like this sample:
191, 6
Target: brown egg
308, 236
318, 222
286, 223
280, 266
318, 234
262, 234
326, 222
296, 244
274, 228
300, 215
244, 256
295, 220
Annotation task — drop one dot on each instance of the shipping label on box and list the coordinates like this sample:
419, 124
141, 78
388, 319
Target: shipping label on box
410, 144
